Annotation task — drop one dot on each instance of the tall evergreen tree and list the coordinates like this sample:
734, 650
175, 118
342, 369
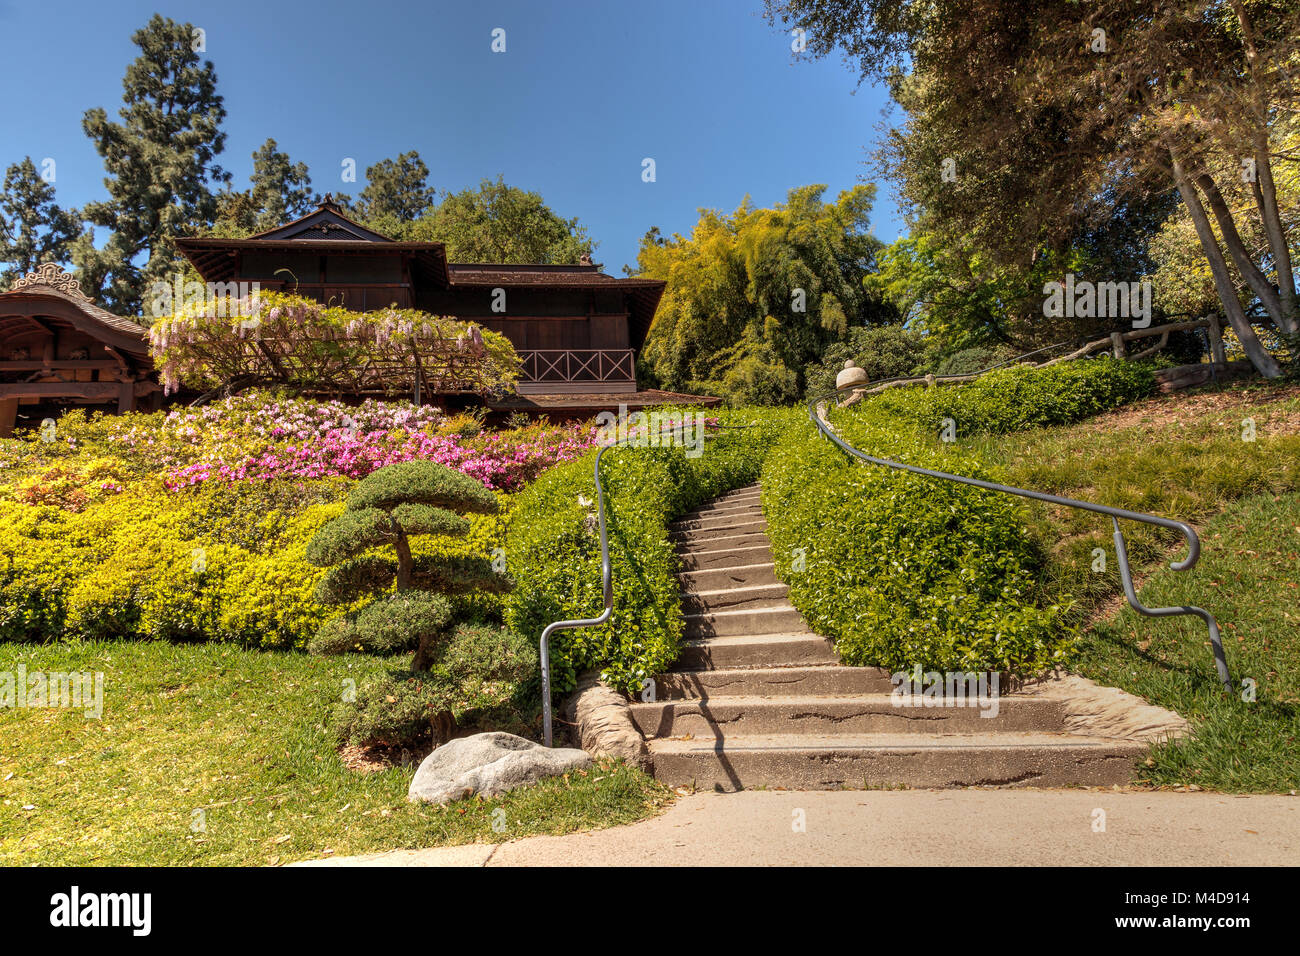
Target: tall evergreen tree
281, 188
33, 228
160, 161
397, 192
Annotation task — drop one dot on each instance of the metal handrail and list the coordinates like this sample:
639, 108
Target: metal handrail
1121, 551
607, 584
607, 581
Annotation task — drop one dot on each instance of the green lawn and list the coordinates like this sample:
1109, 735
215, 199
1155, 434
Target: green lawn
1247, 578
1184, 456
238, 735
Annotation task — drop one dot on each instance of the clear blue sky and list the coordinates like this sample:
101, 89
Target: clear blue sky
584, 92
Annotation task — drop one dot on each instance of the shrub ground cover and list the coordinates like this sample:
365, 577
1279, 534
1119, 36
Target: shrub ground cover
99, 534
553, 546
901, 569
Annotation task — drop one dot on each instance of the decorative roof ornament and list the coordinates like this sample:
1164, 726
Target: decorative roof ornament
51, 274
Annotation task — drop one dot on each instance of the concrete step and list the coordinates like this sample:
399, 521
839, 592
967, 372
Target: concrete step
770, 682
718, 508
731, 717
832, 762
728, 532
791, 649
709, 522
752, 598
726, 555
744, 576
766, 620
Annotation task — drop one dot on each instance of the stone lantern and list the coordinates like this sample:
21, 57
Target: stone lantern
851, 375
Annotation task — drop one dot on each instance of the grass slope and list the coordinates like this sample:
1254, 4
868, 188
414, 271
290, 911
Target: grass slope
1247, 578
237, 735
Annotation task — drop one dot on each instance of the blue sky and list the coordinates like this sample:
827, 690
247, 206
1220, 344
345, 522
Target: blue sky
584, 92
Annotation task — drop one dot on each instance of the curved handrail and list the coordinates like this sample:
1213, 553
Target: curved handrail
816, 406
606, 578
607, 582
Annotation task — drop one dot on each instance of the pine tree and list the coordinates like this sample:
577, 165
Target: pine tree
33, 228
397, 191
408, 607
281, 188
160, 162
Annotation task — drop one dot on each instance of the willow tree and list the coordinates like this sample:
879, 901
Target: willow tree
755, 296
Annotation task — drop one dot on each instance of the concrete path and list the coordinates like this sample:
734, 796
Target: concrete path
914, 828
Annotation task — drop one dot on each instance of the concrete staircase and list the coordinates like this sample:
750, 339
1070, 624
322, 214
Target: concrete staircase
758, 700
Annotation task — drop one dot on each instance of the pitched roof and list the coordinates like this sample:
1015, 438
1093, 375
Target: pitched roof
326, 221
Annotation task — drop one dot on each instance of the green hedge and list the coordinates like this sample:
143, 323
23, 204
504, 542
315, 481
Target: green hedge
901, 569
553, 547
1020, 396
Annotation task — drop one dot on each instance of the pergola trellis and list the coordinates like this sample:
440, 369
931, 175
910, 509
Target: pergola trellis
298, 343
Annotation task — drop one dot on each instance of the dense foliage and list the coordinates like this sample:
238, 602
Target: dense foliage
394, 608
883, 352
753, 297
1059, 135
1021, 396
553, 547
901, 569
99, 537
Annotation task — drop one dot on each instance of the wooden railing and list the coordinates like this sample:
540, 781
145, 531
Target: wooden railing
583, 369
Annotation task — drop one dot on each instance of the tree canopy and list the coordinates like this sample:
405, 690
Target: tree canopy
754, 296
495, 222
1031, 127
161, 164
33, 228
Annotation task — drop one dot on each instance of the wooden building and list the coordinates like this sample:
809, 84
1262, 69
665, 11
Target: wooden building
576, 329
58, 348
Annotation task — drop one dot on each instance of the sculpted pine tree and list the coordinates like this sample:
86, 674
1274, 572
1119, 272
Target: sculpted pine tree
409, 607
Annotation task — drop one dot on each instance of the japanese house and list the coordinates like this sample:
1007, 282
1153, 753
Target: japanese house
58, 348
576, 329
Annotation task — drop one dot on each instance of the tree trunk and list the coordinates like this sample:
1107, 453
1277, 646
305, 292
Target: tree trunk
1263, 187
404, 563
1266, 197
1267, 365
1256, 279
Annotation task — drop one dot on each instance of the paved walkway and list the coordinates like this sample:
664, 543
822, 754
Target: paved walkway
938, 827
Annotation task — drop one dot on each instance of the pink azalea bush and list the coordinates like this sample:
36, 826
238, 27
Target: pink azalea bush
502, 461
256, 438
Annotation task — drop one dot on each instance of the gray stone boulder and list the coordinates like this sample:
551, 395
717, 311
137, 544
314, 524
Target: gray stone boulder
490, 764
